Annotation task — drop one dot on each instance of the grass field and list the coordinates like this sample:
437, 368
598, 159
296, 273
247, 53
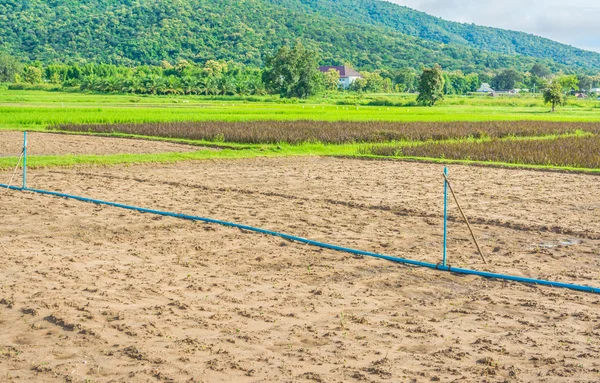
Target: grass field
335, 125
40, 97
37, 109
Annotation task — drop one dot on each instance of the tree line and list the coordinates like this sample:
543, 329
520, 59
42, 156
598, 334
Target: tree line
432, 84
291, 72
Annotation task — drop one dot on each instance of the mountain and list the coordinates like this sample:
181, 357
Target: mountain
368, 34
422, 25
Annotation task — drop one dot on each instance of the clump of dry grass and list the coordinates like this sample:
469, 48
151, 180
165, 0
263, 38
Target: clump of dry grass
340, 132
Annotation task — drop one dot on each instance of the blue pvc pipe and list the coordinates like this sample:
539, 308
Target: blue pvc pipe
320, 244
444, 259
24, 160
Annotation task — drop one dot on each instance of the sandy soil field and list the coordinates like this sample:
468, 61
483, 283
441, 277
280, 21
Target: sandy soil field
50, 144
98, 294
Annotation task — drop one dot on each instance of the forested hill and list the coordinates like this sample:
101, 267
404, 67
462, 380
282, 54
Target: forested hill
422, 25
369, 34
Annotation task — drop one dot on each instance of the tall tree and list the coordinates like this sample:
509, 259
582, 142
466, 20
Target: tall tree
473, 82
405, 78
359, 85
585, 82
568, 83
554, 95
431, 86
331, 79
293, 72
540, 71
9, 68
32, 75
375, 83
507, 79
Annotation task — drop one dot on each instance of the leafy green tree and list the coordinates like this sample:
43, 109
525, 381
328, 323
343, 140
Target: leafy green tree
554, 95
507, 79
359, 85
214, 68
32, 75
538, 82
293, 72
331, 79
399, 88
182, 66
406, 78
74, 73
55, 79
374, 82
486, 77
226, 85
388, 86
448, 86
568, 83
9, 68
473, 82
459, 82
585, 82
56, 73
540, 71
431, 86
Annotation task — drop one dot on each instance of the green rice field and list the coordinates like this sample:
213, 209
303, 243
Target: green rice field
338, 125
39, 109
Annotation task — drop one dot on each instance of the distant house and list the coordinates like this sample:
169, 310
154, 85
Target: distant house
595, 90
347, 75
485, 88
497, 93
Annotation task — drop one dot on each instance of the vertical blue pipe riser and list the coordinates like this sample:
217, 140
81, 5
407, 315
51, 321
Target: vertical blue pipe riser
445, 255
24, 160
410, 262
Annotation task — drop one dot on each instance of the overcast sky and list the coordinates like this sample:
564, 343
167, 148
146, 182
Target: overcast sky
574, 22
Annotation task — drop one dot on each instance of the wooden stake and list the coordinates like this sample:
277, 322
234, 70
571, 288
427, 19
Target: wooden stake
13, 175
465, 218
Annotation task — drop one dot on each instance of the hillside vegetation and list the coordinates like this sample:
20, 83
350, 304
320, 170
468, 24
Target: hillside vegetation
368, 34
425, 26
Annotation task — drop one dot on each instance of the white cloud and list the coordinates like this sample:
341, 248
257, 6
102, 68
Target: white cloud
573, 22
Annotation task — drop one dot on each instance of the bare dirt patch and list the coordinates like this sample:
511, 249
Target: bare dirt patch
49, 144
98, 293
